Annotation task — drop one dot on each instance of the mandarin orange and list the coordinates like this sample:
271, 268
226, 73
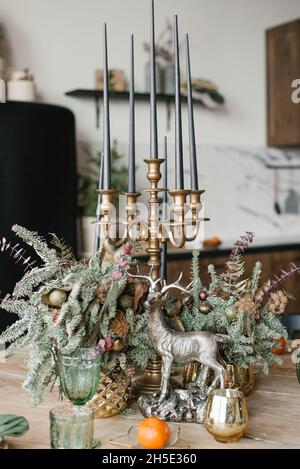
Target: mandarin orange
153, 433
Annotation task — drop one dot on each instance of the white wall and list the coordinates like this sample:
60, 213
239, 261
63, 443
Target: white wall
61, 42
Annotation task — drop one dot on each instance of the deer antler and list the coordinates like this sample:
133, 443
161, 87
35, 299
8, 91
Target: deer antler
177, 285
152, 282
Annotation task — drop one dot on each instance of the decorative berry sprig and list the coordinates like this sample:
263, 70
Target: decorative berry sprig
17, 253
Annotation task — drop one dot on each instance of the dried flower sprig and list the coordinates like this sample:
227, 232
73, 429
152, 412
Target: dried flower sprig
241, 245
17, 253
272, 285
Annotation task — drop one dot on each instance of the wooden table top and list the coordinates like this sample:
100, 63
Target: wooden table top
273, 406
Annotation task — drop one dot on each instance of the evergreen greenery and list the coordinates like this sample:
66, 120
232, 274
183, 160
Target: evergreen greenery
248, 336
80, 321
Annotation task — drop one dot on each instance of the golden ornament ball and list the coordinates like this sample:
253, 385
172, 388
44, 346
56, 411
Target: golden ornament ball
231, 313
57, 297
205, 307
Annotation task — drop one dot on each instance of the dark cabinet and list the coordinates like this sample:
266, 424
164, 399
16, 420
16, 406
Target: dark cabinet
283, 67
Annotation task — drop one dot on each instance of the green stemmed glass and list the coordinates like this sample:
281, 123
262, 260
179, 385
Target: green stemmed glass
79, 375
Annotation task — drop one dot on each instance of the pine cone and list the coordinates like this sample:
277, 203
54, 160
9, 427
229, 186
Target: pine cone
119, 325
126, 301
101, 293
277, 302
64, 262
220, 293
247, 305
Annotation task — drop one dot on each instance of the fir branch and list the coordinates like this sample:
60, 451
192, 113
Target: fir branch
37, 242
256, 274
33, 278
214, 276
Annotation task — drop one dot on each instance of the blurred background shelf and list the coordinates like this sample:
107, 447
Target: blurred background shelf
97, 95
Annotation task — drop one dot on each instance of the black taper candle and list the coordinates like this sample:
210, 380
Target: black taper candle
97, 240
153, 111
179, 179
165, 170
131, 149
192, 141
106, 122
164, 246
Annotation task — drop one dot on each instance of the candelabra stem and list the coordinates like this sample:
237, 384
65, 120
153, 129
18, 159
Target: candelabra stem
154, 232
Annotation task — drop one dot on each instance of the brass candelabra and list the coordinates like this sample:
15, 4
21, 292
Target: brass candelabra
154, 231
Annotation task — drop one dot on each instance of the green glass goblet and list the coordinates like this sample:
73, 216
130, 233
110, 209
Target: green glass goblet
79, 375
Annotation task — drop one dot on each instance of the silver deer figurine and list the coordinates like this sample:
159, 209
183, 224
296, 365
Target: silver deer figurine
180, 346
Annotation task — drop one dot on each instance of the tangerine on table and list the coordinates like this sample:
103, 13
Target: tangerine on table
153, 433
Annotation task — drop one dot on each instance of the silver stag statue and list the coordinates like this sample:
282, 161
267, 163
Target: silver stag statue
179, 346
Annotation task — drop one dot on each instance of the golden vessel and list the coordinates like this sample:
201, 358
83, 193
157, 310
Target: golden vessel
226, 415
235, 376
239, 378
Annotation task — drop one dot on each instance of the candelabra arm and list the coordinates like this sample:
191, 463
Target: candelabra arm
195, 206
107, 196
178, 239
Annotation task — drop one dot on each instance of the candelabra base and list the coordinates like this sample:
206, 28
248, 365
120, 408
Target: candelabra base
149, 382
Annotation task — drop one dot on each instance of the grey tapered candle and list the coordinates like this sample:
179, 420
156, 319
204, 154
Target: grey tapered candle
153, 111
131, 149
97, 240
165, 170
164, 246
192, 141
179, 179
106, 122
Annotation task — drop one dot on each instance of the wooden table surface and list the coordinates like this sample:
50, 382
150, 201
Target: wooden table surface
273, 406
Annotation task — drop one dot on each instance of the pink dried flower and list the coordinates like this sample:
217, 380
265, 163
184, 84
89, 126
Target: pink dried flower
109, 343
123, 263
101, 345
116, 276
105, 344
128, 249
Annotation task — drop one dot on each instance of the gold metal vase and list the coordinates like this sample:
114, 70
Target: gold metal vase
226, 415
235, 376
113, 393
239, 378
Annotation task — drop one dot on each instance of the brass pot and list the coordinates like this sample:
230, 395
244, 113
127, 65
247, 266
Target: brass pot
190, 372
239, 378
235, 376
226, 415
113, 393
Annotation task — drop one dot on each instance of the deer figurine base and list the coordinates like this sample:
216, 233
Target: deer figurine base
181, 405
